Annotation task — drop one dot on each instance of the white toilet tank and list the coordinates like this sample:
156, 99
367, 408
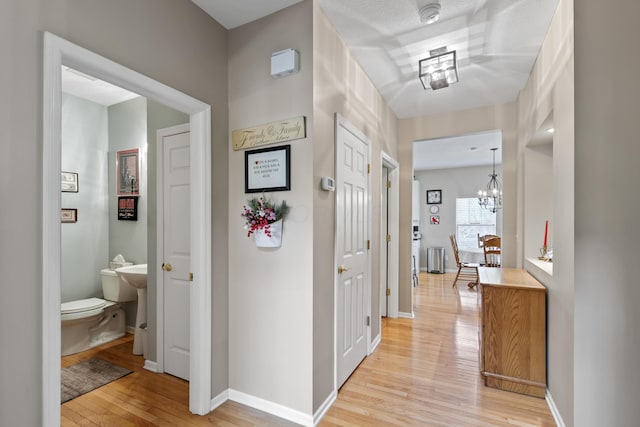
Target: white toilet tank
116, 289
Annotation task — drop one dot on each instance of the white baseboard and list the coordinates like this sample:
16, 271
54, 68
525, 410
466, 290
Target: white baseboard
324, 407
554, 409
375, 343
219, 400
130, 330
403, 315
272, 408
150, 365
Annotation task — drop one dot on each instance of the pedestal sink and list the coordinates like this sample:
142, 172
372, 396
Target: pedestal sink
136, 276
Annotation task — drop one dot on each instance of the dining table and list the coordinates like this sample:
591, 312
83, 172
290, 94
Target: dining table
471, 255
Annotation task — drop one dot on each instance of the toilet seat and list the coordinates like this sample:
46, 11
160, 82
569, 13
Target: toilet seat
82, 308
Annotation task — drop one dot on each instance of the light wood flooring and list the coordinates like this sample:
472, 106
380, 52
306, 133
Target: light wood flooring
424, 373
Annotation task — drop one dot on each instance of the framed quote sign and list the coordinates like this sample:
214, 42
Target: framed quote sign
267, 169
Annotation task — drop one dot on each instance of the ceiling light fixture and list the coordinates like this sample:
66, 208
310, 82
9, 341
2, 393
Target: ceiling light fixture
430, 12
439, 70
491, 197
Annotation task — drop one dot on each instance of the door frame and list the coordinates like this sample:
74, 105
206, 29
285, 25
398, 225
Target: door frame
58, 52
340, 121
393, 249
160, 134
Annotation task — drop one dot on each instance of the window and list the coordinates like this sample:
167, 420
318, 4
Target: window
471, 220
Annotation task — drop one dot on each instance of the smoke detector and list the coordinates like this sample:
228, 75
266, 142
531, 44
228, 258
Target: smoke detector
430, 12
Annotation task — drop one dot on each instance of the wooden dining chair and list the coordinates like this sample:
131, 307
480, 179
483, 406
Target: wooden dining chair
466, 270
493, 252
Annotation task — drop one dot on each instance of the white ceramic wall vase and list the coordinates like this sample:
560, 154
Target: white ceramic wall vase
274, 241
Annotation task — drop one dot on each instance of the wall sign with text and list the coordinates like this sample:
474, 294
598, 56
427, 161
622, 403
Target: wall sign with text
128, 208
270, 133
267, 169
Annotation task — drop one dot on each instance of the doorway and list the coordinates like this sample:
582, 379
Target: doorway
389, 236
58, 52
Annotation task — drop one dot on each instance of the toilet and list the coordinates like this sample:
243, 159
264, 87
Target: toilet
91, 322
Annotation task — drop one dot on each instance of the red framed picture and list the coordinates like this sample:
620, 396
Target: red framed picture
128, 172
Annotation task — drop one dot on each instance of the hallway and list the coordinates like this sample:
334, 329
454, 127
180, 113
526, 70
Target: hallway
424, 373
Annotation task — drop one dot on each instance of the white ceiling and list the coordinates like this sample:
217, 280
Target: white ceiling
88, 87
233, 13
458, 151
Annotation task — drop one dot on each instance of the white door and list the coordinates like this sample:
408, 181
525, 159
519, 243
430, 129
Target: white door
352, 278
176, 258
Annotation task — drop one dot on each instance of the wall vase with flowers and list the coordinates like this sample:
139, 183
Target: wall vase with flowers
264, 221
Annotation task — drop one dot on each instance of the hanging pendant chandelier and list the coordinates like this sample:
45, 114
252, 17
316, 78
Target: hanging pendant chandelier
490, 198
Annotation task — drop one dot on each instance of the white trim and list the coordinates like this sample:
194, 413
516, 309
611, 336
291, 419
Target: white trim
130, 330
219, 400
393, 220
272, 408
160, 134
57, 52
554, 409
376, 341
322, 410
403, 315
150, 365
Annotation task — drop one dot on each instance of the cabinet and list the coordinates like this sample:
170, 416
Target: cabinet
512, 332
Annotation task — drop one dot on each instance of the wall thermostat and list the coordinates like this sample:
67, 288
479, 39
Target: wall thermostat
328, 183
284, 63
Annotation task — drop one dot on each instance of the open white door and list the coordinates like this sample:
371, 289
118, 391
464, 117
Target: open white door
352, 262
175, 249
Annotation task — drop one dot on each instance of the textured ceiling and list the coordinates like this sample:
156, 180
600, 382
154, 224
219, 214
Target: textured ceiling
496, 41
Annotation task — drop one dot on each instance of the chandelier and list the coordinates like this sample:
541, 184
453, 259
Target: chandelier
491, 197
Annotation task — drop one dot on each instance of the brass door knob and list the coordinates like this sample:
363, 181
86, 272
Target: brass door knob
166, 267
342, 269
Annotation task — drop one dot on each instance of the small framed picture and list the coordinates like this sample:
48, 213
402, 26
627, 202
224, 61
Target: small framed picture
128, 172
69, 182
434, 197
434, 220
68, 215
267, 169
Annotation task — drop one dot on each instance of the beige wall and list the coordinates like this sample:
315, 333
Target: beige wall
499, 117
549, 91
340, 86
173, 42
607, 294
271, 290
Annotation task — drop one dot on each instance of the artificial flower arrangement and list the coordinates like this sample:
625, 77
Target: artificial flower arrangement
260, 213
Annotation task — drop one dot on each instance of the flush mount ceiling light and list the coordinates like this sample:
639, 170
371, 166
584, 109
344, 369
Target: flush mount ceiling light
439, 70
430, 12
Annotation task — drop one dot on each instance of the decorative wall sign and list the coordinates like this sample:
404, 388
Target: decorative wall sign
267, 169
128, 172
128, 208
434, 220
270, 133
69, 182
68, 215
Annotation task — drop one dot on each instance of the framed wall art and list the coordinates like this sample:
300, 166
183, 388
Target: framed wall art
68, 215
128, 172
69, 182
434, 197
267, 169
127, 208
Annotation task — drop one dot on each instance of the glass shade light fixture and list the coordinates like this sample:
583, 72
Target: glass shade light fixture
439, 70
491, 197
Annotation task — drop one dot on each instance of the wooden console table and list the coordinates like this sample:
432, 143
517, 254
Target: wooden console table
512, 333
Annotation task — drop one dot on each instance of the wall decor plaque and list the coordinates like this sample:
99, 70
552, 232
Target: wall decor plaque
270, 133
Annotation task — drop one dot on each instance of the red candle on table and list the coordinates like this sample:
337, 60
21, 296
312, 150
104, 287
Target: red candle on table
546, 231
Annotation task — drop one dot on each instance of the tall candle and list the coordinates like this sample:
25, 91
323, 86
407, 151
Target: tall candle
546, 232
